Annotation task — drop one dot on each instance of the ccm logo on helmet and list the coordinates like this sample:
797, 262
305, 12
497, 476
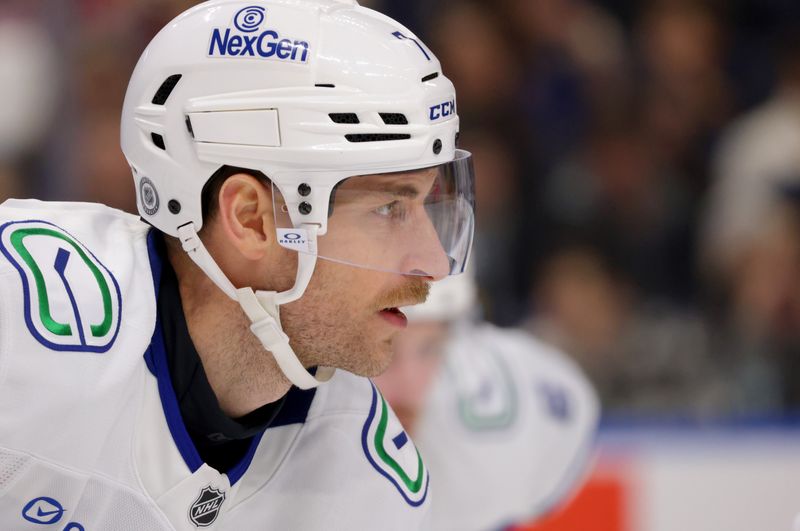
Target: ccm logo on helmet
442, 110
246, 40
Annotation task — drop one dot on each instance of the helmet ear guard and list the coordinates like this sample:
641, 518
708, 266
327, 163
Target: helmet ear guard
317, 95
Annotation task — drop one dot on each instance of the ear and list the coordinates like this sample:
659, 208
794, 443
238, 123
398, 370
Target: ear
246, 215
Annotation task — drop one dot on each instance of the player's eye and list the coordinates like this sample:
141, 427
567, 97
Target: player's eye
395, 211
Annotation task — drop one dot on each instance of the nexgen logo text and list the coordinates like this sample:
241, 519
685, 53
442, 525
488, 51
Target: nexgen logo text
267, 44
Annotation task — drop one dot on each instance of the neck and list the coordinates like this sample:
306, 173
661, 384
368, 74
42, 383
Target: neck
243, 375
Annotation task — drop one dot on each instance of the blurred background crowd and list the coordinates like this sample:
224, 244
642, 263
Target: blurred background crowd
638, 170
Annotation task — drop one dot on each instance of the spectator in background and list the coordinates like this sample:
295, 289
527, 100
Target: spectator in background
761, 345
615, 190
28, 88
574, 74
758, 153
750, 243
684, 89
643, 360
574, 70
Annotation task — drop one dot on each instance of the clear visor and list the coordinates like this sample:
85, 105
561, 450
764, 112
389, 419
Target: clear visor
415, 222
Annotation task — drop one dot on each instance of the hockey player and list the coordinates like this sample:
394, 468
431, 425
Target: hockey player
504, 422
296, 171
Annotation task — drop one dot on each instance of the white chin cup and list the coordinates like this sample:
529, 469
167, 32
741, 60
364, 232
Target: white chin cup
262, 307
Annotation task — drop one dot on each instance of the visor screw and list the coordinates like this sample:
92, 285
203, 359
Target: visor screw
174, 206
304, 189
437, 146
305, 208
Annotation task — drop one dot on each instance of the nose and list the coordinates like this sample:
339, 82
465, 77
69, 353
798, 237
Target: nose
425, 255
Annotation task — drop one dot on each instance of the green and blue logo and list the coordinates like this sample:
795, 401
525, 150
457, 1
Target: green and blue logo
392, 453
490, 402
72, 302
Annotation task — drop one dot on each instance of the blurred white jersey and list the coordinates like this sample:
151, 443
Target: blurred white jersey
91, 436
507, 431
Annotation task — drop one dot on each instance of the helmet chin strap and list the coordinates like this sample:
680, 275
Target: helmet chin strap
262, 307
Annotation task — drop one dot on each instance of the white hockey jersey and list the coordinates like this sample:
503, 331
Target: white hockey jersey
507, 432
91, 436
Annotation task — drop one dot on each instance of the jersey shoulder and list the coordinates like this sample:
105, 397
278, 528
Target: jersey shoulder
77, 307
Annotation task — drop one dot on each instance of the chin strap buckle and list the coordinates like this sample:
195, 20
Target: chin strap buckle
269, 333
189, 239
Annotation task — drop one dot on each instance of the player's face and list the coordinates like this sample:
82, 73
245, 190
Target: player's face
349, 315
417, 360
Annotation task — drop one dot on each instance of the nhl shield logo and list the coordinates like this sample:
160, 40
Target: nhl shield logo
72, 302
205, 508
391, 452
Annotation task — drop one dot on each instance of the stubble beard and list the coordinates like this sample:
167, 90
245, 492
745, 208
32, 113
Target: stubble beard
342, 333
323, 334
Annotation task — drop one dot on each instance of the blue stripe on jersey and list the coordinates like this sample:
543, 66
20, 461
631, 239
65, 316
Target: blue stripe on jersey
155, 270
169, 402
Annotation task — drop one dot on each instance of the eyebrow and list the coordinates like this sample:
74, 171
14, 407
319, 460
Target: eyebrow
403, 190
398, 189
395, 185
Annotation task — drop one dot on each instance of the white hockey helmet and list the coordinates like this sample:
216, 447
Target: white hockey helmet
314, 94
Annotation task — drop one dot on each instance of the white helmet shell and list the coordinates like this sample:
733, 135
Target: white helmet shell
278, 86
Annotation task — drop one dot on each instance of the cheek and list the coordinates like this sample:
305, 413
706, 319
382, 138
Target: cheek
279, 275
345, 289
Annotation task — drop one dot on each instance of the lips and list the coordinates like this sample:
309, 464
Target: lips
394, 317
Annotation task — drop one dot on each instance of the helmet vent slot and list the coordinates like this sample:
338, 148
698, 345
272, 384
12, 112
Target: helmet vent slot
166, 89
375, 137
393, 118
344, 118
158, 140
430, 77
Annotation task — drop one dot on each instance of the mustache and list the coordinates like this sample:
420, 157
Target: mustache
414, 292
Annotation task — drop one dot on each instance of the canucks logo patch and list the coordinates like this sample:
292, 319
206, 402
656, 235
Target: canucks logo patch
72, 302
392, 453
489, 401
